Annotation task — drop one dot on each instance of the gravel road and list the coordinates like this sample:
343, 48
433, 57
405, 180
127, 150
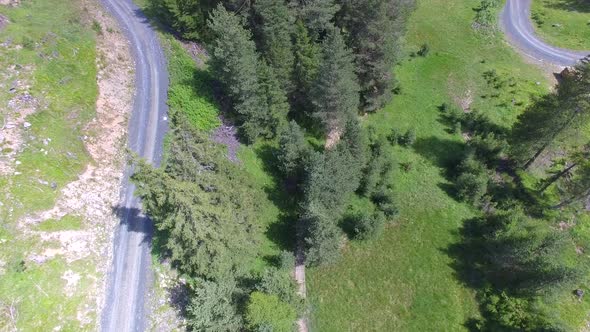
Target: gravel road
129, 277
516, 24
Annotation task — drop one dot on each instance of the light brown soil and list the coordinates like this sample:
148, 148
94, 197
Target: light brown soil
97, 189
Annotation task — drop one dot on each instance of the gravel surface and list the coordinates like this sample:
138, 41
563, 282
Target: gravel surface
130, 273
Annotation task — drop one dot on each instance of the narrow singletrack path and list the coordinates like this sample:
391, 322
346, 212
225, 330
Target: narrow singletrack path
130, 273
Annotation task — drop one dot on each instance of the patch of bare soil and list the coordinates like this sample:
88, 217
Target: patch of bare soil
97, 189
12, 3
3, 21
227, 135
15, 80
333, 138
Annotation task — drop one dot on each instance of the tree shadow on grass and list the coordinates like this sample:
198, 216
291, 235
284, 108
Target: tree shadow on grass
443, 153
285, 196
581, 6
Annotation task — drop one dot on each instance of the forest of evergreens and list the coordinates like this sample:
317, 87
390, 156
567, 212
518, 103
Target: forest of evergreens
300, 75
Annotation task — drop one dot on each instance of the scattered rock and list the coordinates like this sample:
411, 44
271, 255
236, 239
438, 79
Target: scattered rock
3, 21
27, 124
556, 25
53, 185
579, 293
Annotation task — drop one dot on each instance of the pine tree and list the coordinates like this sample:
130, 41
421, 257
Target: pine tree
336, 92
272, 112
275, 25
213, 307
235, 63
204, 204
316, 14
374, 28
306, 63
293, 151
188, 17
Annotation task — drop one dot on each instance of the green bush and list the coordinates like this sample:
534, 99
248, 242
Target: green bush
267, 312
201, 112
409, 138
472, 182
365, 226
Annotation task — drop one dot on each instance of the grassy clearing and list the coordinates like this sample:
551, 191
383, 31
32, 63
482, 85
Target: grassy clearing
564, 23
61, 52
404, 281
66, 223
57, 63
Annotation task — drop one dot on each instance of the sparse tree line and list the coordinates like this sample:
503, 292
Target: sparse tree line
294, 75
517, 252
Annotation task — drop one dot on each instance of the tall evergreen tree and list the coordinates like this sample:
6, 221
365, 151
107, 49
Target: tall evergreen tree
275, 26
188, 17
235, 63
316, 14
336, 94
306, 63
204, 204
374, 28
292, 151
272, 112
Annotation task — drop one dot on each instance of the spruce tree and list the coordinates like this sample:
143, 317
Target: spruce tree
235, 63
306, 63
272, 112
316, 14
292, 151
274, 25
335, 97
204, 204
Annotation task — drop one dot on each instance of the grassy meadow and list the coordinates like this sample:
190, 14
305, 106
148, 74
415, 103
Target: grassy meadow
564, 23
405, 281
53, 54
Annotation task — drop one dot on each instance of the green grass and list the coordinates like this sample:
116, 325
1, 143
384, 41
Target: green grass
405, 280
66, 223
60, 50
564, 23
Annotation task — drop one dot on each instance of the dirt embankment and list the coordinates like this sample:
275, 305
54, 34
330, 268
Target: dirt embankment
97, 190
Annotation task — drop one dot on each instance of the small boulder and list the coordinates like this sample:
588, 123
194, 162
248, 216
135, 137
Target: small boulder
579, 293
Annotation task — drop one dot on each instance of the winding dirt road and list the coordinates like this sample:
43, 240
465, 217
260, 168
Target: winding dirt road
516, 23
129, 276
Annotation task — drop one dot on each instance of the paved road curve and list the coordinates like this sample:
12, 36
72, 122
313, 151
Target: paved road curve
516, 23
130, 273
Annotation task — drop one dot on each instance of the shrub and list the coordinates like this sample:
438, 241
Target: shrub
424, 50
393, 137
365, 226
280, 283
383, 199
265, 311
201, 112
409, 138
472, 183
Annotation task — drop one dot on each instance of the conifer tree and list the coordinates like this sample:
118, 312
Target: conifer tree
306, 63
335, 96
272, 112
235, 63
316, 14
292, 151
275, 25
204, 205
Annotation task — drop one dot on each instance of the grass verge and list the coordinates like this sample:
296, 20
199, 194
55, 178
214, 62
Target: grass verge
405, 281
563, 23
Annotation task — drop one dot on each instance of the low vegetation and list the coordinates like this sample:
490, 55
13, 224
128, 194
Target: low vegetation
439, 209
564, 23
48, 91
